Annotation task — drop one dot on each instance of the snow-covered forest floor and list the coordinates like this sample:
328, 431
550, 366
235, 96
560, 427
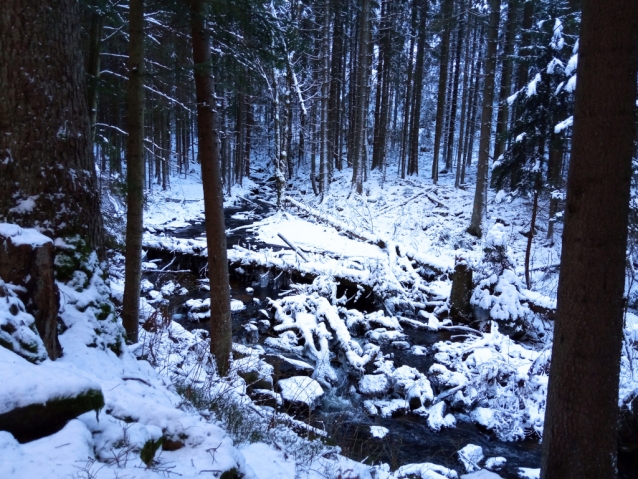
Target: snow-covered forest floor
371, 279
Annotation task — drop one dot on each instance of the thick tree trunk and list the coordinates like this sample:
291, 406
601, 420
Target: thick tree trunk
220, 319
580, 439
486, 122
47, 174
134, 172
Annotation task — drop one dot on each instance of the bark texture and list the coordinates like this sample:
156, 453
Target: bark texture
580, 437
134, 172
220, 320
478, 210
31, 266
47, 176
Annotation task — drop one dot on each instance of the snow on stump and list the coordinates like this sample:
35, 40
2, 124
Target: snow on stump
300, 391
17, 327
36, 401
27, 260
470, 456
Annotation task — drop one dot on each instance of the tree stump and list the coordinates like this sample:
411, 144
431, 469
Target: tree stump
27, 260
460, 307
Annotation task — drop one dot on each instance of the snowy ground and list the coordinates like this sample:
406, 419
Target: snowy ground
165, 386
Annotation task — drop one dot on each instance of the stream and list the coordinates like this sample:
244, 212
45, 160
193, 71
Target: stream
340, 410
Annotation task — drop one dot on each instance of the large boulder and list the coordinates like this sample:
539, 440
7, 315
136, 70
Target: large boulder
27, 260
36, 401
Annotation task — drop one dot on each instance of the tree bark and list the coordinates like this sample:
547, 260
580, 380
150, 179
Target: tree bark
506, 80
486, 122
582, 403
413, 157
93, 68
455, 95
440, 104
220, 318
47, 173
336, 81
358, 154
134, 172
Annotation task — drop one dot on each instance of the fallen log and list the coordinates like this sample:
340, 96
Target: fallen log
295, 249
336, 224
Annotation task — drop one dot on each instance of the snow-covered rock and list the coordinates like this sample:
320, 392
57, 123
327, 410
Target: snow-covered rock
300, 390
495, 463
374, 384
470, 456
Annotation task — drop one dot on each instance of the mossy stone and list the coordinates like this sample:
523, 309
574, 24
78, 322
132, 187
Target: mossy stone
39, 420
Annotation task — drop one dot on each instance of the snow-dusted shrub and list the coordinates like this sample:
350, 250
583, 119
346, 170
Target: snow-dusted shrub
496, 379
17, 327
85, 295
498, 294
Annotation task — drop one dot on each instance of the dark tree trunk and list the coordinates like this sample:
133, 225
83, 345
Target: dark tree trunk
469, 56
455, 95
407, 105
220, 319
47, 174
486, 122
336, 82
580, 439
358, 154
413, 158
506, 79
134, 171
93, 68
440, 104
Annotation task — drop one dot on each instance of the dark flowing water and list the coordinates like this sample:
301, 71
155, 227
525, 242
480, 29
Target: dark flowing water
410, 440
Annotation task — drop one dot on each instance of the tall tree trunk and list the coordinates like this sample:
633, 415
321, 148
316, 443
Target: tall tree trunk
220, 319
336, 82
134, 172
324, 149
443, 70
239, 139
413, 158
486, 122
93, 68
580, 438
469, 57
506, 79
250, 123
358, 154
455, 95
47, 172
407, 105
